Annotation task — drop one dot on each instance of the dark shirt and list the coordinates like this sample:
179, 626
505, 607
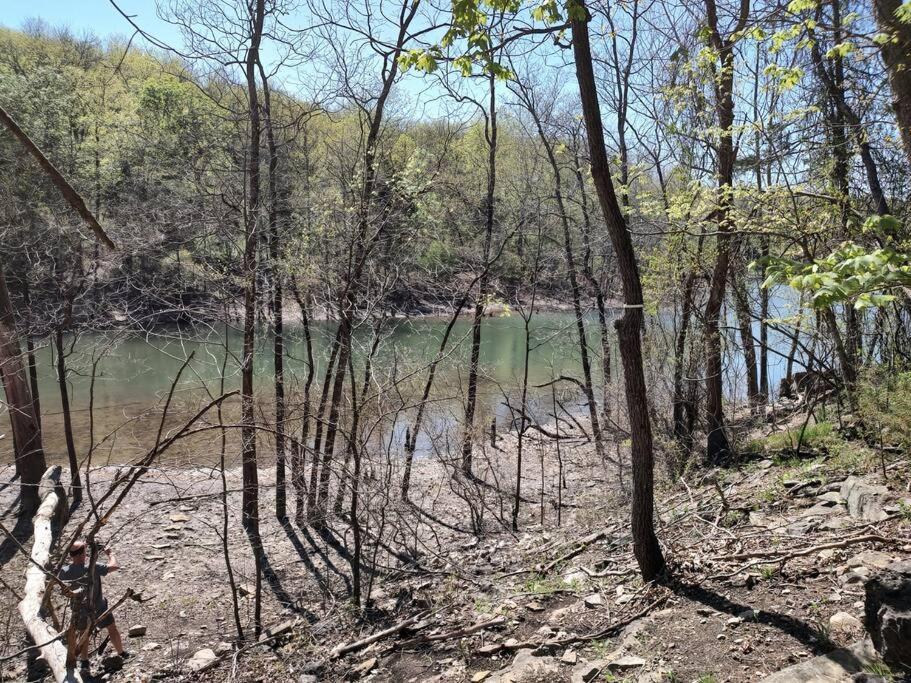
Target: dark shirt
77, 575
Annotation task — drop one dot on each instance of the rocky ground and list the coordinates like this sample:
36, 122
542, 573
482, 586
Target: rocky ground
767, 561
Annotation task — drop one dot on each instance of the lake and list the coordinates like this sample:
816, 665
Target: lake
134, 373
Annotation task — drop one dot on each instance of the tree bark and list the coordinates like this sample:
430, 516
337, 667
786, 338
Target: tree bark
30, 464
53, 650
897, 56
645, 544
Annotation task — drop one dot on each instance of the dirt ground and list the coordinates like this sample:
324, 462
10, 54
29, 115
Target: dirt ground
723, 615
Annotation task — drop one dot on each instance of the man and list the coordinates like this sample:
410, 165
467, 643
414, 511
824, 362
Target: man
76, 574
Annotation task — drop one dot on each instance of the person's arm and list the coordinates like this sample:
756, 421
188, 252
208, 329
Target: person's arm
112, 561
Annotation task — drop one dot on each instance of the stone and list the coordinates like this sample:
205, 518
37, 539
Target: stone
873, 559
526, 667
307, 678
588, 671
835, 666
534, 606
569, 657
627, 662
202, 660
486, 650
136, 631
178, 517
223, 649
153, 557
364, 668
149, 647
593, 601
833, 497
112, 663
657, 676
844, 622
887, 612
864, 501
243, 590
479, 676
856, 575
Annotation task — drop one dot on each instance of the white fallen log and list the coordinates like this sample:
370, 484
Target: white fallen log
46, 638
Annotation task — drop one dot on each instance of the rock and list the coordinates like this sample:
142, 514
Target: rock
833, 497
856, 575
153, 557
223, 649
136, 631
112, 663
202, 660
844, 622
873, 559
486, 650
835, 666
658, 676
307, 678
527, 667
864, 501
575, 577
569, 657
243, 590
594, 600
179, 517
479, 676
149, 647
534, 606
363, 668
887, 612
627, 662
588, 671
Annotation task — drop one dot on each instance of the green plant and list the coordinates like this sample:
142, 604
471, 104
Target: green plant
880, 669
707, 678
538, 585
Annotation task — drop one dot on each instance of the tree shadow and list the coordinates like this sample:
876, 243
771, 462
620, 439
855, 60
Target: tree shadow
21, 533
305, 557
282, 595
797, 629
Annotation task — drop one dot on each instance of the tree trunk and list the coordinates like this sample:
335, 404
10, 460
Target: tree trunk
897, 57
75, 480
645, 544
30, 464
745, 323
53, 650
278, 332
718, 444
489, 206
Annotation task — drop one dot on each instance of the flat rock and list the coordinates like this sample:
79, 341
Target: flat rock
202, 660
150, 647
864, 501
588, 671
874, 559
136, 631
364, 668
627, 662
835, 667
569, 657
479, 676
534, 606
526, 667
844, 622
594, 600
179, 517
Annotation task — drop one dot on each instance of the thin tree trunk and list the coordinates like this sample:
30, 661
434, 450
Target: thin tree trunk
645, 544
489, 209
278, 332
745, 323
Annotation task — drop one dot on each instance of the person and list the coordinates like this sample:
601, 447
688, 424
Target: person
76, 575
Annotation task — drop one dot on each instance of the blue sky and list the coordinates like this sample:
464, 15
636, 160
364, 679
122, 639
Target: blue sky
96, 16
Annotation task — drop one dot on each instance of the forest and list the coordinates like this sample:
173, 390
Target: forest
404, 340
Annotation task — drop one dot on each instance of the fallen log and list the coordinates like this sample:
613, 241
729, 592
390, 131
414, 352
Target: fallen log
53, 651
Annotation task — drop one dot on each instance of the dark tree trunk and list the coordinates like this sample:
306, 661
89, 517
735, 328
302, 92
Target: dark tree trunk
645, 544
745, 323
278, 331
718, 444
30, 463
489, 210
897, 57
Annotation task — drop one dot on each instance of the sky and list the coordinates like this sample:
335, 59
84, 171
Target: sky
95, 16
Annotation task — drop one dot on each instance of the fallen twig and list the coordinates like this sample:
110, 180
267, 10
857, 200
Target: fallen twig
458, 633
344, 649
